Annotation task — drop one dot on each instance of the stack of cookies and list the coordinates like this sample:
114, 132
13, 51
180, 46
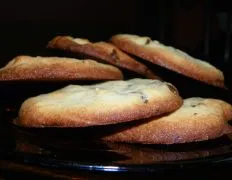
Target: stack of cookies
149, 109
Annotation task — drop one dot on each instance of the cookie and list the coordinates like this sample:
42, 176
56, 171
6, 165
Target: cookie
57, 69
99, 104
170, 58
198, 119
103, 51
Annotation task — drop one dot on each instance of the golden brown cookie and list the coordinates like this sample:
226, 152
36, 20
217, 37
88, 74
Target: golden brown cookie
103, 51
57, 69
170, 58
100, 104
198, 119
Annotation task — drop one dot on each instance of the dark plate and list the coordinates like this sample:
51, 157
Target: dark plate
80, 149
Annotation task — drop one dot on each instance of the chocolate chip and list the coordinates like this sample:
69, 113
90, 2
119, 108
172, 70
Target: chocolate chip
201, 103
145, 101
194, 105
148, 41
144, 98
114, 56
195, 114
172, 88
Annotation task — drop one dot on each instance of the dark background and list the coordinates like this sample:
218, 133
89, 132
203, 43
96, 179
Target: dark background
199, 27
27, 26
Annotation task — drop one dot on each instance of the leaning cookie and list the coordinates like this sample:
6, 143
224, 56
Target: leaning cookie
100, 104
103, 51
198, 119
57, 69
170, 58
